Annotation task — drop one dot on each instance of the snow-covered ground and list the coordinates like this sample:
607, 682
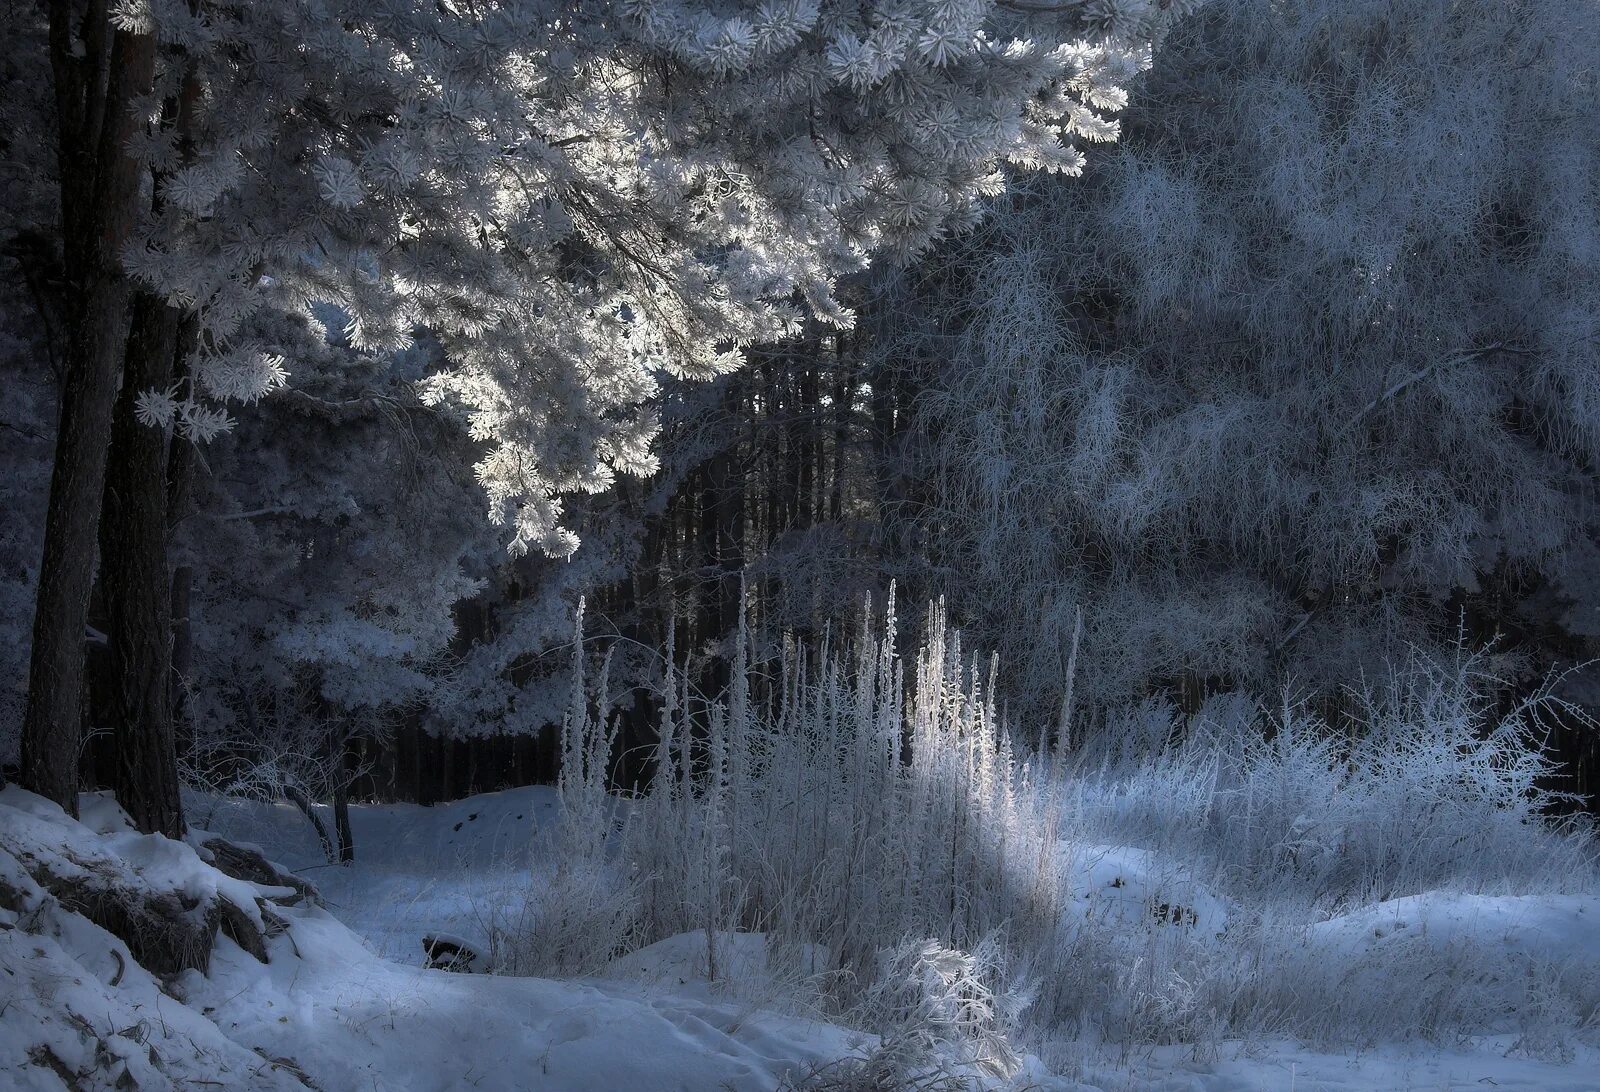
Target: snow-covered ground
453, 868
344, 1003
329, 1012
447, 869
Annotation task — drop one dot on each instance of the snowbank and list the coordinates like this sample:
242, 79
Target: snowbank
354, 1021
1551, 928
326, 1010
77, 1010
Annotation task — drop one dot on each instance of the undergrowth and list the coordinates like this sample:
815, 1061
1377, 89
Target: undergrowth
879, 810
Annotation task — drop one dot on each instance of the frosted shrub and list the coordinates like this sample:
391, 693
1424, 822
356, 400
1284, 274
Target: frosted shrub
1421, 795
927, 996
799, 815
585, 915
937, 1019
1421, 788
1444, 992
587, 910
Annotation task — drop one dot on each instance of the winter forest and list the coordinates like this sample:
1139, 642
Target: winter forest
806, 545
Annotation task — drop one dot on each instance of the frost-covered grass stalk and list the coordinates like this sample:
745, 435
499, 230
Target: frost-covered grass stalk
852, 809
876, 809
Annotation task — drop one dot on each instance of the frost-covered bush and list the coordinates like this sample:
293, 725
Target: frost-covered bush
1425, 786
938, 1020
927, 997
849, 806
1397, 876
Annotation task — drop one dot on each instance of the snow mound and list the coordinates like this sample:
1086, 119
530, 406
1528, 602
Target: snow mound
1125, 885
158, 894
354, 1021
79, 1010
44, 838
1553, 928
745, 967
100, 812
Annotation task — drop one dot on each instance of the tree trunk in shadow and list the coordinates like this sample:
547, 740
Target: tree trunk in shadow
136, 585
96, 78
341, 800
297, 796
722, 518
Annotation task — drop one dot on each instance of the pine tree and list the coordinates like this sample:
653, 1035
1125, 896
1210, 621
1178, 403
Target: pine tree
573, 207
100, 69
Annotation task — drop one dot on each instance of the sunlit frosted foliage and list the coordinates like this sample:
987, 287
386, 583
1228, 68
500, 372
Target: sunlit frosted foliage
576, 197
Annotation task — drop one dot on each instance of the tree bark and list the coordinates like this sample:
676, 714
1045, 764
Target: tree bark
807, 446
341, 821
135, 526
182, 649
297, 796
722, 545
100, 183
136, 585
843, 393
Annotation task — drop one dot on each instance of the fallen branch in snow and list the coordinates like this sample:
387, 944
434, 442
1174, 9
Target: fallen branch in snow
243, 863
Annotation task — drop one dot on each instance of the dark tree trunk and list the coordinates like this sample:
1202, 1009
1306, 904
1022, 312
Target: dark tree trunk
447, 772
182, 652
297, 796
135, 583
341, 823
843, 392
415, 767
341, 800
722, 545
773, 466
428, 788
808, 447
642, 607
140, 495
886, 451
94, 83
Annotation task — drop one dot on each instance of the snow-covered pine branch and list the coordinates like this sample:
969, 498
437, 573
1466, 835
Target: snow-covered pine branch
577, 197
